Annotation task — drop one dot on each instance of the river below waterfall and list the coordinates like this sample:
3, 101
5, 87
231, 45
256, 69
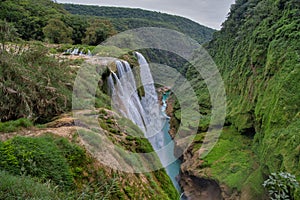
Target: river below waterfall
173, 168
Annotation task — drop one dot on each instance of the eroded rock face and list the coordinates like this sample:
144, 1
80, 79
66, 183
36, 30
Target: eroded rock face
196, 188
196, 183
192, 180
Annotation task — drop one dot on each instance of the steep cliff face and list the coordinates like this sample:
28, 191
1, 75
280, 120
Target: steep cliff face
257, 52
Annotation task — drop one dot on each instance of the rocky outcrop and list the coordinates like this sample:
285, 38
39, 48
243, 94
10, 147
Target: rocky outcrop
196, 181
200, 188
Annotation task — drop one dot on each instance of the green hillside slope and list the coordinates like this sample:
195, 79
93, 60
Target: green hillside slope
129, 18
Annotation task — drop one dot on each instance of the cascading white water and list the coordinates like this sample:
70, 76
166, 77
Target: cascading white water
144, 112
124, 95
75, 51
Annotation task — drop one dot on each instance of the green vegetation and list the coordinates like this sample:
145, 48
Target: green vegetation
25, 187
8, 33
127, 140
112, 20
57, 32
49, 167
37, 157
11, 126
164, 182
48, 21
120, 128
29, 16
98, 31
281, 185
257, 53
136, 143
259, 42
231, 160
36, 85
128, 18
22, 187
33, 84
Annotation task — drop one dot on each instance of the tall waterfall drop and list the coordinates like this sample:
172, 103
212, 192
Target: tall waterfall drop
145, 112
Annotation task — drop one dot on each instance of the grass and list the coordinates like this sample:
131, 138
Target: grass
231, 160
37, 157
253, 185
50, 167
23, 187
91, 137
166, 184
27, 188
130, 128
14, 125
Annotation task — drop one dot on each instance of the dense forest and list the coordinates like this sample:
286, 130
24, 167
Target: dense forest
48, 21
129, 18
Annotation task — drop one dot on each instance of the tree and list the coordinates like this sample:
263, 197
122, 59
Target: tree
57, 32
98, 31
8, 33
79, 25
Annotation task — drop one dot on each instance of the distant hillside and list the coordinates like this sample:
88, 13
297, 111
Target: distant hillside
129, 18
48, 21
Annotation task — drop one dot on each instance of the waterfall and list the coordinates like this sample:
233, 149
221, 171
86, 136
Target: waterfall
75, 51
124, 95
150, 101
89, 53
145, 112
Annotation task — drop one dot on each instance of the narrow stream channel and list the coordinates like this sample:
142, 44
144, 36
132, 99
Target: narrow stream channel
174, 168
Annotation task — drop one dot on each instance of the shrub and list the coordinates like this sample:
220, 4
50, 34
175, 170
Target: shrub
281, 185
75, 156
37, 157
34, 85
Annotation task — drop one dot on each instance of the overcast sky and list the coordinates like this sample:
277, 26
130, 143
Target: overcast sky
210, 13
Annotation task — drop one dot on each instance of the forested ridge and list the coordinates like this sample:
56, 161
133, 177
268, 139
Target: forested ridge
129, 18
78, 24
